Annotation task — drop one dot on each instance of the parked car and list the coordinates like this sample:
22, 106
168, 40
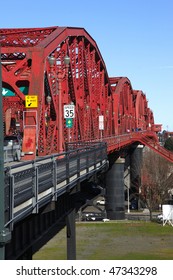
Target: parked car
134, 204
101, 202
12, 148
160, 217
11, 140
91, 217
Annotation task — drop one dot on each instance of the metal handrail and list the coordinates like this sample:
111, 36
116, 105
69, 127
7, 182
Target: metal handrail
32, 185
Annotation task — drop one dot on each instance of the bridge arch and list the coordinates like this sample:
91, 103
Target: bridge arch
36, 57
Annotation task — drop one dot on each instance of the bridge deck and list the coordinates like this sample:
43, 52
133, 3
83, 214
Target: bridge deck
29, 186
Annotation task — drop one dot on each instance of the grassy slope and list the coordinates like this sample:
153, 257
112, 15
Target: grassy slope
112, 241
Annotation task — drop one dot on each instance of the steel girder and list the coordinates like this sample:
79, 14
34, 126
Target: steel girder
33, 64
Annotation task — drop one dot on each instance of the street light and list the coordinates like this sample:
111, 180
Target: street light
1, 165
48, 99
61, 74
67, 60
5, 235
52, 60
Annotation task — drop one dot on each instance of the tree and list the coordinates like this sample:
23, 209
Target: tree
169, 144
156, 180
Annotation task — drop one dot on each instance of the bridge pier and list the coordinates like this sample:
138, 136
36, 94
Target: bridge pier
115, 191
127, 182
135, 170
71, 235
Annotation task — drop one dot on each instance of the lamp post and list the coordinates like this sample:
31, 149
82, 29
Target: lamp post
1, 166
60, 77
128, 200
128, 189
5, 235
67, 62
61, 74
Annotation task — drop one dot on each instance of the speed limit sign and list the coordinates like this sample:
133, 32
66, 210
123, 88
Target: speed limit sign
69, 111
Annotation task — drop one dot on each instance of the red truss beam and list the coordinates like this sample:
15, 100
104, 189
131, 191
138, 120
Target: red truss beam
34, 65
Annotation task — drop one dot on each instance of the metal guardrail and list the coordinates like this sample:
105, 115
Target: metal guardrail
31, 185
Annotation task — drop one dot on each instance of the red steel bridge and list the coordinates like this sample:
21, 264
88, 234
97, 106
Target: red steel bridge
44, 69
57, 96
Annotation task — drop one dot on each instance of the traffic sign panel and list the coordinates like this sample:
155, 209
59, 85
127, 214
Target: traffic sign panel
69, 111
69, 123
101, 122
31, 101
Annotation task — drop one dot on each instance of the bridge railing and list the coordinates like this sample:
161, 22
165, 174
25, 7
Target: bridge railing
116, 142
148, 138
32, 185
157, 148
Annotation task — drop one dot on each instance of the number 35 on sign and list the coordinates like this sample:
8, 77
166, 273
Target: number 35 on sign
69, 111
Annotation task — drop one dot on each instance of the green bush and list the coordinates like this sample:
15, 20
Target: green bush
169, 144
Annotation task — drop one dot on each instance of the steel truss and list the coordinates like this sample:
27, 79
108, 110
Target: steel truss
34, 63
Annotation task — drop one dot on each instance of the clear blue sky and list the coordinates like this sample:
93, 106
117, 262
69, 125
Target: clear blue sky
135, 38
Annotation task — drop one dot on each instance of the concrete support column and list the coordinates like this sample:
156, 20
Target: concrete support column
71, 236
135, 168
115, 191
127, 182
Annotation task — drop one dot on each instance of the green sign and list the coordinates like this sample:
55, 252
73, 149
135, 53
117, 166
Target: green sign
6, 92
69, 123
